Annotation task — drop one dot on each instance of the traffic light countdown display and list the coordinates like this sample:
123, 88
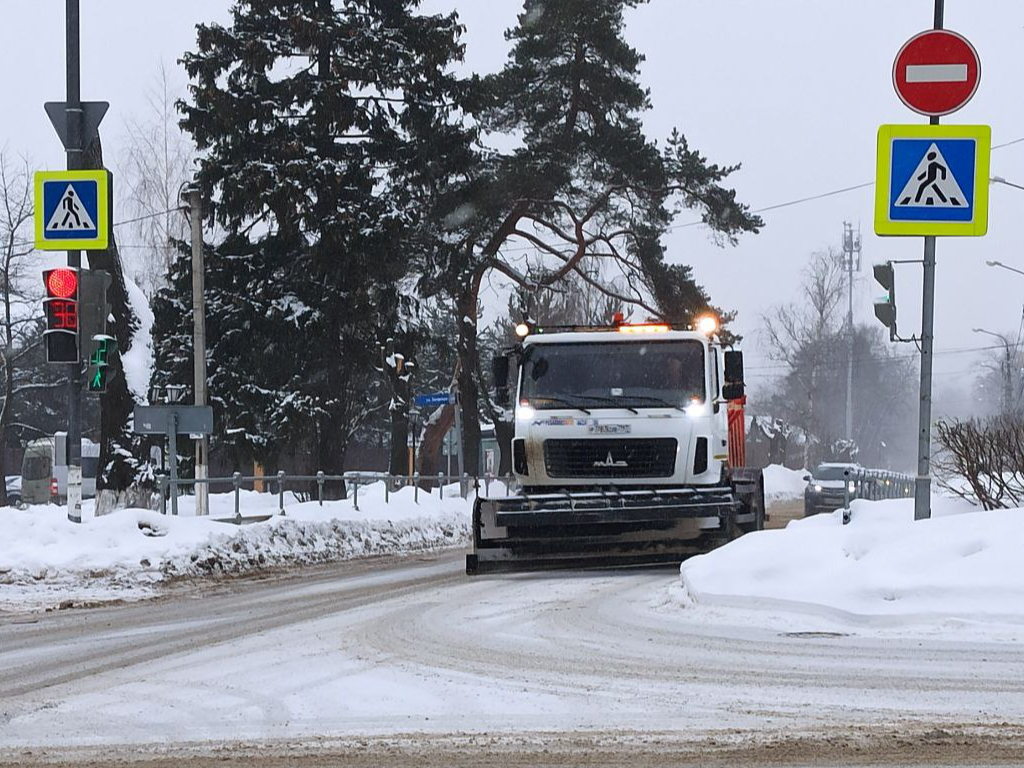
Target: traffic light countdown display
61, 309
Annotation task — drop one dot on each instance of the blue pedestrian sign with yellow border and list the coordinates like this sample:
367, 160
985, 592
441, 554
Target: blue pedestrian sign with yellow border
72, 210
932, 180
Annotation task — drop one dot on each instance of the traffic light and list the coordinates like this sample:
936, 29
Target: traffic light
61, 309
93, 309
885, 307
101, 358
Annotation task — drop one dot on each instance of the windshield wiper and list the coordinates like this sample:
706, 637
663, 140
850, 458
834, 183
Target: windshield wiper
612, 400
563, 401
658, 400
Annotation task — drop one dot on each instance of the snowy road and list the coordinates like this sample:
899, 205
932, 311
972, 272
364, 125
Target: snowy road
367, 650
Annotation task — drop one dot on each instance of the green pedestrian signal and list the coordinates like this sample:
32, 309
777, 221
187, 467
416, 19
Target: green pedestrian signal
98, 380
101, 369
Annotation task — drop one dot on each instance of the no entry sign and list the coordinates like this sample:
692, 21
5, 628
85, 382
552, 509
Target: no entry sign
936, 72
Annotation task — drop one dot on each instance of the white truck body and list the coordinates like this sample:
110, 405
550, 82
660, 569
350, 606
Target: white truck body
621, 447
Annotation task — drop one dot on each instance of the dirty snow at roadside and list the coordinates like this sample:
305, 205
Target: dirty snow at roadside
963, 567
46, 561
783, 484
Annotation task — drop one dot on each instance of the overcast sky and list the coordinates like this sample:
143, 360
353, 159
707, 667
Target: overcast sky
792, 89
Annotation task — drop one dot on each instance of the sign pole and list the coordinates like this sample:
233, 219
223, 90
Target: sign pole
460, 460
922, 486
923, 482
73, 113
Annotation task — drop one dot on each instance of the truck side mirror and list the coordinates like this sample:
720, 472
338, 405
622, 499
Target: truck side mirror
733, 389
499, 370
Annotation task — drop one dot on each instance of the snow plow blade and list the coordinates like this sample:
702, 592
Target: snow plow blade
597, 529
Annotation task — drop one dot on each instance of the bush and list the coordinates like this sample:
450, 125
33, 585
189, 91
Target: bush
982, 461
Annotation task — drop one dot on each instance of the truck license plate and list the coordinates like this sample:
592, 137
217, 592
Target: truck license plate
609, 429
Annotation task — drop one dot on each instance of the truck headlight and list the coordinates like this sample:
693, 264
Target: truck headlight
696, 408
525, 412
851, 486
817, 489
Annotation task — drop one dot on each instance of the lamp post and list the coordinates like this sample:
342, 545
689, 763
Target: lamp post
1007, 371
1001, 180
1005, 266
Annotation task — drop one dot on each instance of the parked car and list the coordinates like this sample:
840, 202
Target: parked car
827, 487
44, 470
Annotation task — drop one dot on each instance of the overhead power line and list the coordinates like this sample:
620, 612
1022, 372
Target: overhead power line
147, 216
896, 358
774, 207
830, 193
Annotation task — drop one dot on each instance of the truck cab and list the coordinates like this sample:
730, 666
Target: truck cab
633, 405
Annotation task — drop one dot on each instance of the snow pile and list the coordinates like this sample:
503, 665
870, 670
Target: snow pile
46, 560
782, 484
137, 361
963, 564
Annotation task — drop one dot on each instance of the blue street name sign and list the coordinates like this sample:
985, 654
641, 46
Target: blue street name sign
434, 400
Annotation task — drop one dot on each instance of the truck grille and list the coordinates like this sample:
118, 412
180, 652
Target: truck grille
654, 457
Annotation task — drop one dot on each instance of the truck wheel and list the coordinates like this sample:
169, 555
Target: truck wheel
756, 501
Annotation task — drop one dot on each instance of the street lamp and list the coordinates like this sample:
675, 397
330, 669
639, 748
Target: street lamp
1007, 370
1001, 180
1004, 266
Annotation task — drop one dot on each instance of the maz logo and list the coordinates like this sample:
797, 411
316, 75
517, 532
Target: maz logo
610, 462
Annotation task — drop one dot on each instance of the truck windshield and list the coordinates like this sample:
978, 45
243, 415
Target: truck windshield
614, 374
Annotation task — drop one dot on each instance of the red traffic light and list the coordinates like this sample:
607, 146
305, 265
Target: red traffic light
62, 283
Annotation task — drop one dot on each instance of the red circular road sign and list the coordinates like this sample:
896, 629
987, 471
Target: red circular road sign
936, 72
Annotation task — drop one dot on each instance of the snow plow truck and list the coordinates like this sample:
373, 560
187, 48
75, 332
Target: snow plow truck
628, 449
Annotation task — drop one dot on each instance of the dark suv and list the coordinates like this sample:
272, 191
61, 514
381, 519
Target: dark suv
826, 488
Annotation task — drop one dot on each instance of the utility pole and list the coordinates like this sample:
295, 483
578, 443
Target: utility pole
851, 256
74, 150
1005, 369
923, 482
195, 204
1008, 383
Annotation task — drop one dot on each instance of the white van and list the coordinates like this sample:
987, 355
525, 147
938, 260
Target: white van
44, 470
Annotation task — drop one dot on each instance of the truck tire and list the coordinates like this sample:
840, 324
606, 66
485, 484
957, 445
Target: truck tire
756, 500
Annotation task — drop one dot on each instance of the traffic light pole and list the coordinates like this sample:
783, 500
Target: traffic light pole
74, 150
923, 483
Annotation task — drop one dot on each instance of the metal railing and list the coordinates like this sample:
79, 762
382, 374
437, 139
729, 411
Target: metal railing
170, 489
874, 485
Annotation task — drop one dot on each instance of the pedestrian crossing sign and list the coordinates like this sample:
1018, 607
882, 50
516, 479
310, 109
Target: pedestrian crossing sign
932, 180
72, 210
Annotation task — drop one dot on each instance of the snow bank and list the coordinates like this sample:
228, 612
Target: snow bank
782, 484
963, 564
46, 560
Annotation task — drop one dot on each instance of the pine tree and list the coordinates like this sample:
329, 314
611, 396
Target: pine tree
315, 124
585, 186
